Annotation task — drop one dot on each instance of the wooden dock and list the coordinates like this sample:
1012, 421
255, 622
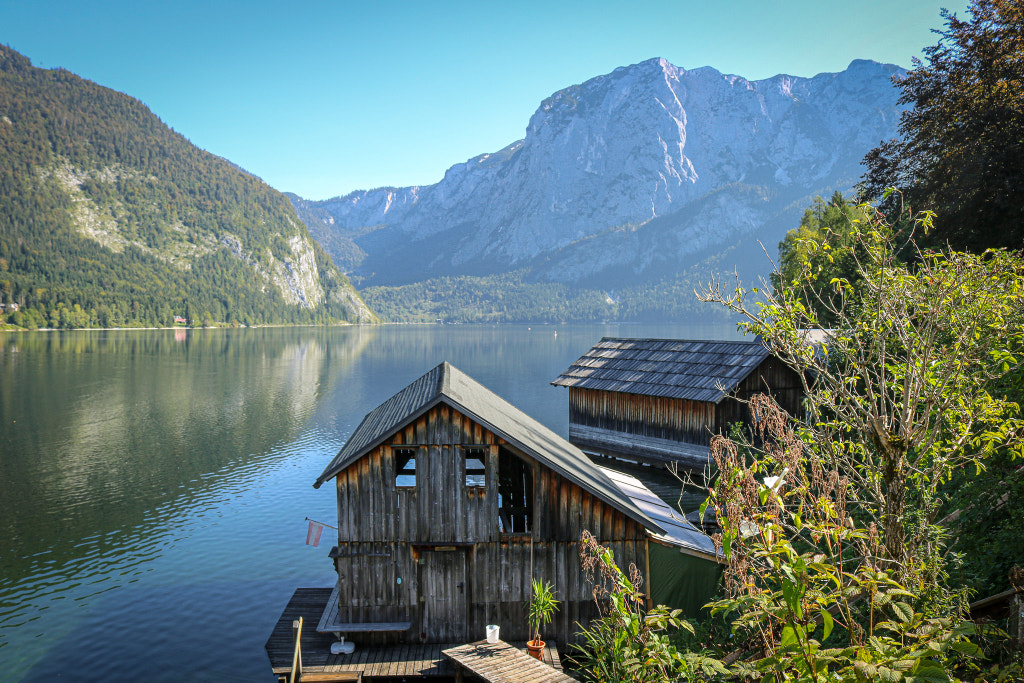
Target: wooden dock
374, 663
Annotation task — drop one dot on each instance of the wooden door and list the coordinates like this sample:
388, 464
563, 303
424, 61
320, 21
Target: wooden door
444, 591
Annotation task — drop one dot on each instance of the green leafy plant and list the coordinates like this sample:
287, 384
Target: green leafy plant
832, 526
630, 642
898, 387
541, 607
809, 593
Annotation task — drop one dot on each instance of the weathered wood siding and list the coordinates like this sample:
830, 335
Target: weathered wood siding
652, 423
402, 552
772, 377
645, 449
653, 416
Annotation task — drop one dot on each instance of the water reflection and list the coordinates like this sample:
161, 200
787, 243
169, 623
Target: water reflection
107, 438
97, 427
156, 482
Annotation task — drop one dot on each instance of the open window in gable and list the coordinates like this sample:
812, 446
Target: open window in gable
475, 465
405, 467
515, 493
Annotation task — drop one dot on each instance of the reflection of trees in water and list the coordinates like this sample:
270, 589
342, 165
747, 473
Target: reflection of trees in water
100, 429
270, 340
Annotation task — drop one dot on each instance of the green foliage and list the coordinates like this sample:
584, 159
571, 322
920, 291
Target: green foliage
77, 158
902, 394
986, 526
982, 526
496, 298
837, 557
629, 642
509, 297
961, 147
820, 251
279, 247
541, 606
809, 593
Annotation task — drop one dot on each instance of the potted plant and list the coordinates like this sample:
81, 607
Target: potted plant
540, 608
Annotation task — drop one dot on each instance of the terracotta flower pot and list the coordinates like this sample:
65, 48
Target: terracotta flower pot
535, 648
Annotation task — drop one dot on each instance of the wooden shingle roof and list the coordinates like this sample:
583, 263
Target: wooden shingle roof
696, 370
447, 384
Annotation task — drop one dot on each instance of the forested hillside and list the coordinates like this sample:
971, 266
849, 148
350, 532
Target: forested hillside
110, 218
510, 297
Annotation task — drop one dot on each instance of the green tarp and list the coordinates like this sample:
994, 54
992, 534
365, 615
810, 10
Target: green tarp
682, 581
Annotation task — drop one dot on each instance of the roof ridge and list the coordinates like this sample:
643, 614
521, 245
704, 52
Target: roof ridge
756, 340
444, 383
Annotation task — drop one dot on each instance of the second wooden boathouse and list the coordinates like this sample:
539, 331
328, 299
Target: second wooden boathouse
660, 401
450, 500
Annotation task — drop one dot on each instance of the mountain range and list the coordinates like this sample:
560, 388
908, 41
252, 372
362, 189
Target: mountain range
625, 191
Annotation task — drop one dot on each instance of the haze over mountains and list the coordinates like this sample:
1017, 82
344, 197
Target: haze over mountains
625, 190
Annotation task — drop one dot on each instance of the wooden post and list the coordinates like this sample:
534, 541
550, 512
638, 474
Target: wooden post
646, 544
297, 656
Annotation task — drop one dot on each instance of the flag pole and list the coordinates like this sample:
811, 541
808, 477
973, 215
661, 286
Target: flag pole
308, 519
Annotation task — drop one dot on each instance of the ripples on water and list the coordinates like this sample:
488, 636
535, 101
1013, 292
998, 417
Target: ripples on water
152, 524
173, 592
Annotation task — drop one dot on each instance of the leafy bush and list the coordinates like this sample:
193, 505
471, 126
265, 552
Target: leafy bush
629, 642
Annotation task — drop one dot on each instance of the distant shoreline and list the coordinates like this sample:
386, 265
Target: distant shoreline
343, 324
176, 327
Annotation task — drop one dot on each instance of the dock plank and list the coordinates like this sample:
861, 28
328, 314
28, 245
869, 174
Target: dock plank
503, 663
420, 660
394, 661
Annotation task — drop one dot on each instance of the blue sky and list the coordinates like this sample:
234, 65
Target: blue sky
322, 98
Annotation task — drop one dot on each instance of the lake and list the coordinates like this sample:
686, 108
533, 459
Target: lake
156, 482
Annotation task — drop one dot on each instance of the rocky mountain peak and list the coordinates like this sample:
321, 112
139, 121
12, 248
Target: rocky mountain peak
639, 171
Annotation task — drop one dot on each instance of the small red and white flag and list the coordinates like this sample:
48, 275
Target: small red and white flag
313, 535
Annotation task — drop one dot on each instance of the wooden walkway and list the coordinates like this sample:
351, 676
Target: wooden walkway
502, 663
395, 661
331, 621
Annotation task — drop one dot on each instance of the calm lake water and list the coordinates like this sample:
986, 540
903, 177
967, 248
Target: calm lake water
155, 483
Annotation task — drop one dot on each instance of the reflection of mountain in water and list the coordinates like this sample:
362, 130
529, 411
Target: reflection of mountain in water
100, 429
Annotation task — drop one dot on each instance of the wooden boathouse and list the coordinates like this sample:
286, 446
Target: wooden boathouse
659, 401
450, 500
